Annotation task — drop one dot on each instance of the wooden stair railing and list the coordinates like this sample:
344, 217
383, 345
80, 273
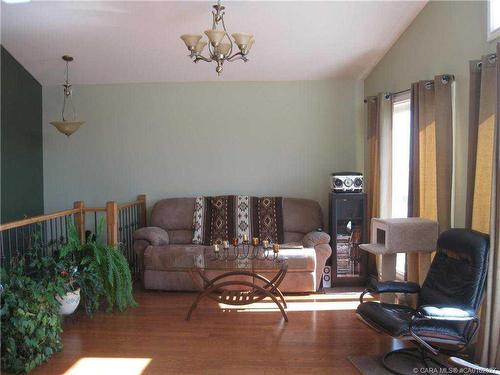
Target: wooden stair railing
51, 230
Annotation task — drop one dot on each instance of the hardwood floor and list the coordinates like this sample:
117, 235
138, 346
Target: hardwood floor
154, 338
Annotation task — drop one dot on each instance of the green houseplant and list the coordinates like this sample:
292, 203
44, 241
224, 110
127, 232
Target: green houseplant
31, 324
104, 271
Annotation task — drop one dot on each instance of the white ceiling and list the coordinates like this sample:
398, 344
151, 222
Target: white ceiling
139, 41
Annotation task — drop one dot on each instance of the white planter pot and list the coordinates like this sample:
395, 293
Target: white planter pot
69, 302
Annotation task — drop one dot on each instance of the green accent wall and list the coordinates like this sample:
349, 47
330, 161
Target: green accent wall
21, 141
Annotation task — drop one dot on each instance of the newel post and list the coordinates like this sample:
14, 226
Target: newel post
80, 220
112, 223
143, 219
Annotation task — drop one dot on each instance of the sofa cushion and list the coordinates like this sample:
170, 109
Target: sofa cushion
171, 256
164, 258
301, 215
173, 214
180, 236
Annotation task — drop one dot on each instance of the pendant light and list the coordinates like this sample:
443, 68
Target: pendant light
69, 123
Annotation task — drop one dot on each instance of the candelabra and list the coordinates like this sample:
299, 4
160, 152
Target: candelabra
245, 250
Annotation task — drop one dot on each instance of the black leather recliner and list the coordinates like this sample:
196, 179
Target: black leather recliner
445, 319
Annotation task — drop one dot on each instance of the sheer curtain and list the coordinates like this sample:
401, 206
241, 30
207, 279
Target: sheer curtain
483, 196
431, 159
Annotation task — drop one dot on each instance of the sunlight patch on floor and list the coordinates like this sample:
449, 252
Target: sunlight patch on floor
310, 302
328, 296
294, 306
105, 366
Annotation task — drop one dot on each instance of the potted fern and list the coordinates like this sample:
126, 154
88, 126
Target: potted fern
103, 271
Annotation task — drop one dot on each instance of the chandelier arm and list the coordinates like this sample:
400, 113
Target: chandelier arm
211, 50
237, 56
228, 37
202, 58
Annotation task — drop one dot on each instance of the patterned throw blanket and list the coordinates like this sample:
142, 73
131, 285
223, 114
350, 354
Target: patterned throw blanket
232, 216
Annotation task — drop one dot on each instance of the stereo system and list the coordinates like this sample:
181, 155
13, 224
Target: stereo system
346, 182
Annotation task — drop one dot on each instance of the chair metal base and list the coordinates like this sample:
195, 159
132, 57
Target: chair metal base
424, 360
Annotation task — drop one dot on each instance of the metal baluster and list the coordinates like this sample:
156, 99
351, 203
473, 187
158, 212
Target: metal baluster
134, 255
125, 239
95, 223
44, 238
9, 232
120, 225
66, 227
57, 234
16, 231
62, 230
2, 255
129, 242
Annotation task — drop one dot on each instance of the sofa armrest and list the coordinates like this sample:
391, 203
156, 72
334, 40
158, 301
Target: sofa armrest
154, 235
313, 239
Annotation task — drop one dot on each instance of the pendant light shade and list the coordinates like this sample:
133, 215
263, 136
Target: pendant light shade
67, 127
69, 123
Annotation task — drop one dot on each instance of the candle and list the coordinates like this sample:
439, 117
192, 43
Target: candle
225, 244
245, 237
216, 248
255, 241
265, 243
235, 242
276, 248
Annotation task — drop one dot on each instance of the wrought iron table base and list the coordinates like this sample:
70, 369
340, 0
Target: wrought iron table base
255, 293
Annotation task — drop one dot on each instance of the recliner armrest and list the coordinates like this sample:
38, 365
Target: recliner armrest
154, 235
377, 287
313, 239
393, 287
447, 312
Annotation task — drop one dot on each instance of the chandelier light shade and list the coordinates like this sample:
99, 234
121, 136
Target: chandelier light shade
220, 44
191, 39
69, 123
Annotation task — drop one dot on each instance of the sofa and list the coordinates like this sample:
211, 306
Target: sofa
169, 240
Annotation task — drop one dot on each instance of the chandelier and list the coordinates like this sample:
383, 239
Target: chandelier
68, 125
220, 47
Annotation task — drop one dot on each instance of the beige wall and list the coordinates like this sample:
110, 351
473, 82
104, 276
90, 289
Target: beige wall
442, 39
186, 139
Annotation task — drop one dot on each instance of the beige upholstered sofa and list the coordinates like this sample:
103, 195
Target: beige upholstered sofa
169, 240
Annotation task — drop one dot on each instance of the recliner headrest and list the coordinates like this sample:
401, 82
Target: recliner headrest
464, 243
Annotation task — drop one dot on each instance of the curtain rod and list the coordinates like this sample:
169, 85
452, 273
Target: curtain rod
389, 94
428, 85
491, 58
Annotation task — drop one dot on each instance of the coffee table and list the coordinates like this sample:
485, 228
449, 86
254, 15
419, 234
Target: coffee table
219, 274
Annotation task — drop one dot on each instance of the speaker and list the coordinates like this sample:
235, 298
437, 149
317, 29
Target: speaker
327, 277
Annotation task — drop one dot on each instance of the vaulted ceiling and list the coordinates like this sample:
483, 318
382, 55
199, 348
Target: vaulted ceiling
139, 41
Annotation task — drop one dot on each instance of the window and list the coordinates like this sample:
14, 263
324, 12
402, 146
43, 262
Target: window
493, 19
400, 165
